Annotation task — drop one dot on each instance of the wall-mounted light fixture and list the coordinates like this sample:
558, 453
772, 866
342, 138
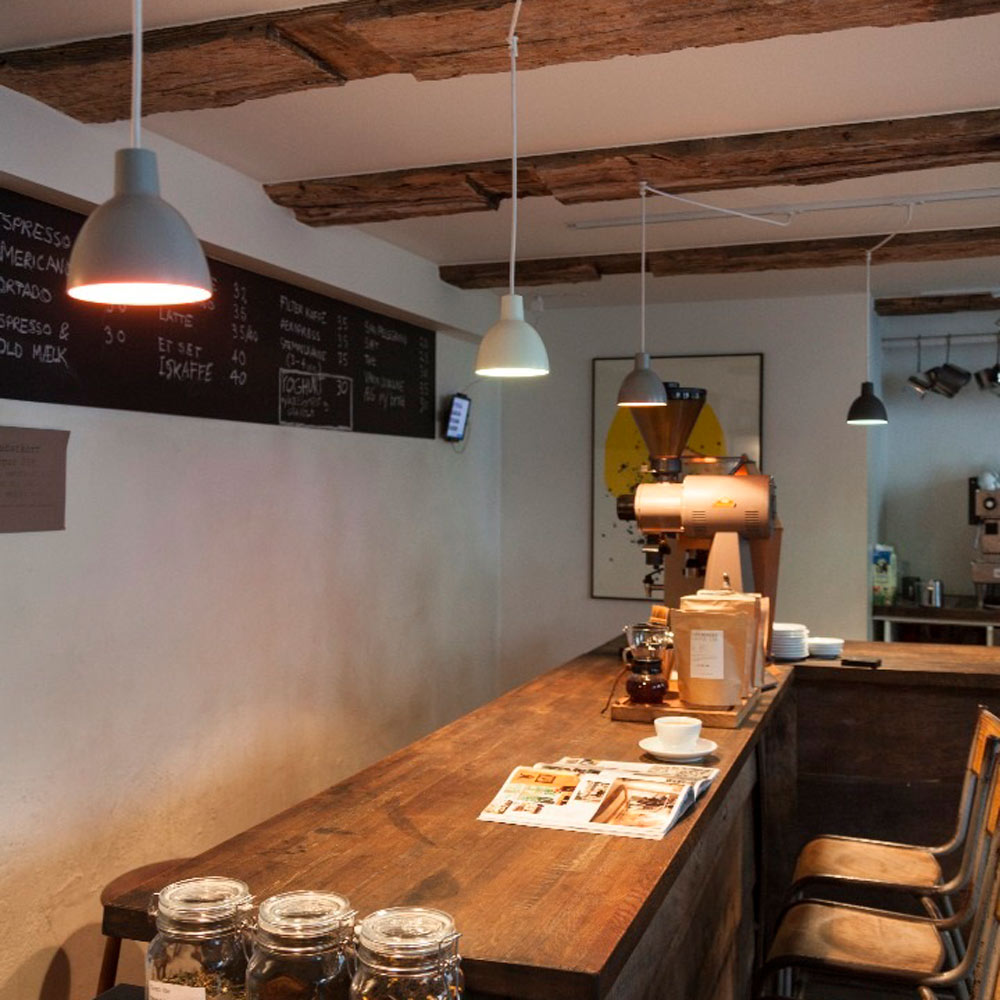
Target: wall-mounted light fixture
135, 249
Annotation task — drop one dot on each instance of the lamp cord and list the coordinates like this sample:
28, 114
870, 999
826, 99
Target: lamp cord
512, 44
135, 127
642, 271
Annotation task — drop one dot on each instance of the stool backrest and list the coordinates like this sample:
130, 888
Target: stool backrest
980, 776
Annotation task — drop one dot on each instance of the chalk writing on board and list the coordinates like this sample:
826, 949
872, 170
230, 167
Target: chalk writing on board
315, 399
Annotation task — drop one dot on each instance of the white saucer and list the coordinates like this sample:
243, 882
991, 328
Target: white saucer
652, 746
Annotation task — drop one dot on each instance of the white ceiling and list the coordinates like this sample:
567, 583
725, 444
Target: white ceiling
392, 122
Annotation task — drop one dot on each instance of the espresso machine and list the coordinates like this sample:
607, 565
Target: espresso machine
725, 524
984, 513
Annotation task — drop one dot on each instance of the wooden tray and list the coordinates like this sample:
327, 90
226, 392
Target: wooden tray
624, 710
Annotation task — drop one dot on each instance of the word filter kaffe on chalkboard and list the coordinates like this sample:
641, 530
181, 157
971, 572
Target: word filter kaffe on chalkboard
259, 350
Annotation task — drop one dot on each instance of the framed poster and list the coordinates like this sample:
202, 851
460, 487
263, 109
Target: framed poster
728, 425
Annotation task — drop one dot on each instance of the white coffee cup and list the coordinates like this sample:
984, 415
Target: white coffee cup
677, 732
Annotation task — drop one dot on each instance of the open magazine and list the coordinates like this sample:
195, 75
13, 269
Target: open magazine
620, 798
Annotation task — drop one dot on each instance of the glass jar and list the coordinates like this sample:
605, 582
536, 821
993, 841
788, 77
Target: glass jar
407, 953
199, 952
300, 948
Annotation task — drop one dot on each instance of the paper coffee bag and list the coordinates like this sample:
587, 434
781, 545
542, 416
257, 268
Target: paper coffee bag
710, 656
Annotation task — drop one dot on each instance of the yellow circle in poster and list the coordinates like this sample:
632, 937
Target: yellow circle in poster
625, 452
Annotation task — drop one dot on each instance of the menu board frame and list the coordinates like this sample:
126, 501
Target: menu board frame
261, 350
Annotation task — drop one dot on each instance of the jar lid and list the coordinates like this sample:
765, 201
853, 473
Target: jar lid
407, 931
205, 900
303, 915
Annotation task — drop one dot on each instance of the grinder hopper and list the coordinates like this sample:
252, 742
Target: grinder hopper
665, 429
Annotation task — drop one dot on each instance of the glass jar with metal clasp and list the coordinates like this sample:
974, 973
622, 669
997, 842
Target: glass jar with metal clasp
199, 951
407, 953
301, 947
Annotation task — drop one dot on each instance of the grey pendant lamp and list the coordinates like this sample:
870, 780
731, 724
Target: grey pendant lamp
642, 386
868, 410
512, 347
135, 249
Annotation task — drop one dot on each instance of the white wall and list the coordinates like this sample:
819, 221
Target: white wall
935, 445
236, 615
814, 360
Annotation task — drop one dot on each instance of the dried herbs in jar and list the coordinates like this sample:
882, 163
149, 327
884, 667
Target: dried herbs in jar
301, 946
407, 953
198, 952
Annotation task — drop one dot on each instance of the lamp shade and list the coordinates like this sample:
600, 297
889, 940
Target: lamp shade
135, 249
642, 386
867, 409
512, 347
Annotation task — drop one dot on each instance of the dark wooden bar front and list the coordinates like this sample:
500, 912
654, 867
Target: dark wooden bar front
554, 915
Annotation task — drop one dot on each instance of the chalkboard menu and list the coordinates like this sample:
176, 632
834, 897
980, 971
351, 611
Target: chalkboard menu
259, 350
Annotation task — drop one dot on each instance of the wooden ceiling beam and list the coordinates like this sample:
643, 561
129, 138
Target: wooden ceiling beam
223, 62
818, 155
834, 252
933, 305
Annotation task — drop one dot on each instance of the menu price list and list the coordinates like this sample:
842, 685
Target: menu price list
260, 350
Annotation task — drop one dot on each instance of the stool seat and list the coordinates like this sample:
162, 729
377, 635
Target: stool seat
129, 880
857, 940
834, 859
119, 886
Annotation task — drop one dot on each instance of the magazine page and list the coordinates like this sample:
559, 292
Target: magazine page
608, 802
698, 777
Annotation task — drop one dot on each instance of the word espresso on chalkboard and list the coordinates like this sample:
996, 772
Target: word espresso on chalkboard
259, 350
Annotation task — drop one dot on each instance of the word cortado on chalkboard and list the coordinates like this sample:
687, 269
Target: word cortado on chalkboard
259, 350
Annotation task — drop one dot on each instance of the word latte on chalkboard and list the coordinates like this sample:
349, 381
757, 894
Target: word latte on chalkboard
259, 350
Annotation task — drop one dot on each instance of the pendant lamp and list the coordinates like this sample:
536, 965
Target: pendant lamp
642, 386
868, 410
135, 249
512, 347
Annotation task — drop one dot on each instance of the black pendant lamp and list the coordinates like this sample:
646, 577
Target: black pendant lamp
868, 410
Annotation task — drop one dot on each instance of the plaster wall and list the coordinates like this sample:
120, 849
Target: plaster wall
814, 357
236, 615
934, 445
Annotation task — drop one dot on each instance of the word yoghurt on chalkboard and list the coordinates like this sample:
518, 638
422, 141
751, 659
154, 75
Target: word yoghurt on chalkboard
260, 350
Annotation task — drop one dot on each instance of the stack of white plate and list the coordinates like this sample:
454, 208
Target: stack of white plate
789, 641
826, 647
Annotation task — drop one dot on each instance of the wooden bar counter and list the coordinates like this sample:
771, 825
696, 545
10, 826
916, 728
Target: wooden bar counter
544, 914
555, 915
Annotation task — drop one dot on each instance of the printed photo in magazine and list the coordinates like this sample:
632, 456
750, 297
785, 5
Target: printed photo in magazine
610, 797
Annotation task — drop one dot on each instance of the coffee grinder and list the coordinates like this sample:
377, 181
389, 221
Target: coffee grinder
984, 513
727, 523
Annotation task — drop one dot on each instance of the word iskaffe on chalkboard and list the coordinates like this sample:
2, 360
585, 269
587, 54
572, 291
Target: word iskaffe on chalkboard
260, 350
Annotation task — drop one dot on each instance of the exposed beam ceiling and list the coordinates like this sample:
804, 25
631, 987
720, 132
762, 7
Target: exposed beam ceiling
798, 156
224, 62
793, 254
931, 305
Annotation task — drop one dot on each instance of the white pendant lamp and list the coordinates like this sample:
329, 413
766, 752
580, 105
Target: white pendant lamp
868, 410
512, 347
135, 249
642, 386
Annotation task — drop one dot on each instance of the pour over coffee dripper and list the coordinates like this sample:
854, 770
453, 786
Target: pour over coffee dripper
646, 642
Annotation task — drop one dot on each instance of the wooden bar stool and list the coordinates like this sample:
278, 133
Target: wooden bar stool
853, 943
830, 860
118, 887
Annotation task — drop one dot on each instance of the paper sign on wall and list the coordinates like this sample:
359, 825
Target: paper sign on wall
32, 479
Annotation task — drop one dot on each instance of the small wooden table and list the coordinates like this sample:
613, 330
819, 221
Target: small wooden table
544, 914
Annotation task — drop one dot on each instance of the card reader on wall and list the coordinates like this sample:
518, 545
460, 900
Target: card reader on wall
456, 417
